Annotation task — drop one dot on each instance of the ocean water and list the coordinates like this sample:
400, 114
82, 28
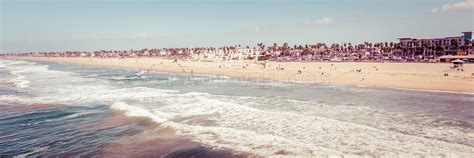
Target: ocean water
54, 109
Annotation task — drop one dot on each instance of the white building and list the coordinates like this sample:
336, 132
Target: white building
448, 43
445, 41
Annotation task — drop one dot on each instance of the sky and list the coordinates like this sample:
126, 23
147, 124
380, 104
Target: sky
87, 25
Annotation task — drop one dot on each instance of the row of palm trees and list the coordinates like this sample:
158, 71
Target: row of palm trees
418, 48
382, 49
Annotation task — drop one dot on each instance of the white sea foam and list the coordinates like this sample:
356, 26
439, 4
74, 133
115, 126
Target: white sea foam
173, 78
63, 118
248, 129
140, 73
18, 68
36, 150
76, 115
136, 111
13, 62
22, 83
19, 80
195, 104
434, 91
249, 141
11, 98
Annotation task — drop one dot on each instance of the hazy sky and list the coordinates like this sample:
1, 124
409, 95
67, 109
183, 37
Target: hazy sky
58, 25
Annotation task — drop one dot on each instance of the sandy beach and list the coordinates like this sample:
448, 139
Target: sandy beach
417, 76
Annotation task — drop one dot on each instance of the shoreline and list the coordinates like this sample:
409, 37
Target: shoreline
410, 76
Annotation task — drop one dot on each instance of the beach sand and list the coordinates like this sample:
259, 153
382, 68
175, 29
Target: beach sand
417, 76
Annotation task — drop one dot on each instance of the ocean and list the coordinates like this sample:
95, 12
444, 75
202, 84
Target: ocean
52, 109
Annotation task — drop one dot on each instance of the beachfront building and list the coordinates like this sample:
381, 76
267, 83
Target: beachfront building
435, 47
225, 54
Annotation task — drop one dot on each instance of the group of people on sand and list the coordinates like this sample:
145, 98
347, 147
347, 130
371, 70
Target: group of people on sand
279, 67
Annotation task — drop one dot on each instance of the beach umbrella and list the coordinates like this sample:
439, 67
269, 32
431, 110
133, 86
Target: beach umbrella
457, 61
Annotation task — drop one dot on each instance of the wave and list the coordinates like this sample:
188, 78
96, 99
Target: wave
249, 141
17, 68
136, 111
19, 81
434, 91
120, 78
265, 83
214, 122
65, 117
16, 62
218, 137
11, 98
36, 150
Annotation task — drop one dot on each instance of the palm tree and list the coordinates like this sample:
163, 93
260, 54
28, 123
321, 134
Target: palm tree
466, 46
454, 46
471, 45
443, 48
438, 49
425, 48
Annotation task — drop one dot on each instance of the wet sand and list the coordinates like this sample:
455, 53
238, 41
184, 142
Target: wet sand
419, 76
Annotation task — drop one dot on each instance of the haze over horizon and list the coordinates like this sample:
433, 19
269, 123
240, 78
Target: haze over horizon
55, 25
